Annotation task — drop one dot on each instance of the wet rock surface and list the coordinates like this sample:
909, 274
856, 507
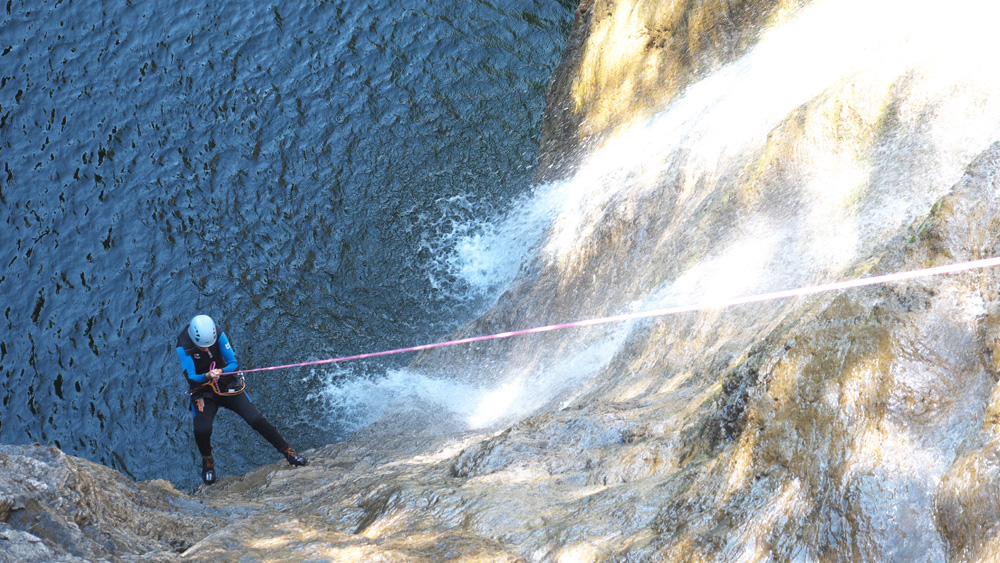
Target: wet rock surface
850, 426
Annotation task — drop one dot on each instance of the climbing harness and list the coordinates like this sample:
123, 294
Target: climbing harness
226, 385
234, 384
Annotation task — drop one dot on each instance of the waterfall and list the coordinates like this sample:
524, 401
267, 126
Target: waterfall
796, 164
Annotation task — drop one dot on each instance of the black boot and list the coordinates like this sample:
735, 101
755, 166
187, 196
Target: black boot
293, 459
208, 470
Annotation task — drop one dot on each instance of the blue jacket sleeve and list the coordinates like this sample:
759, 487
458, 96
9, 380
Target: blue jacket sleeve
227, 353
188, 364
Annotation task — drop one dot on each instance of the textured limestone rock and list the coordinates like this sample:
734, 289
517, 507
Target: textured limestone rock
55, 507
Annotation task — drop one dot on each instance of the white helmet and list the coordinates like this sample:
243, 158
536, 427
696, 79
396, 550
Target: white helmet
202, 331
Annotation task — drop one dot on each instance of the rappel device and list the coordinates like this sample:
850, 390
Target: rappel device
229, 384
226, 386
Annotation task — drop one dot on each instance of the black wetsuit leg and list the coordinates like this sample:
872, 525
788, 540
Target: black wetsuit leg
204, 408
241, 405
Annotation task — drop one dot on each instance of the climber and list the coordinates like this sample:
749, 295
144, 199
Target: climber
200, 348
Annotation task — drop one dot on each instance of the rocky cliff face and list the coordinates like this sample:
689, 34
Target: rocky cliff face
55, 507
860, 425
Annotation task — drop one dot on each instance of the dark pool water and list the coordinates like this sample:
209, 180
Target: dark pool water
297, 170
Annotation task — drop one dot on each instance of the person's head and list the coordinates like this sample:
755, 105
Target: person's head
202, 331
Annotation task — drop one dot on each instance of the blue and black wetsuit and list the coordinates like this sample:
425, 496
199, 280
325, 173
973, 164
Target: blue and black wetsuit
205, 402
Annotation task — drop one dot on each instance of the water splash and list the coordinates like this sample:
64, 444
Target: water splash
486, 255
357, 400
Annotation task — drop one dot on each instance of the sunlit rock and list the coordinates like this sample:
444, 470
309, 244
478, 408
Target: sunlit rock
693, 152
55, 507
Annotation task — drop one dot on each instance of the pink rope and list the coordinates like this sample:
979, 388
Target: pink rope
662, 312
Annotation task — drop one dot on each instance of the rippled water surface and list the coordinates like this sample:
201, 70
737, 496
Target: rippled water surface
300, 170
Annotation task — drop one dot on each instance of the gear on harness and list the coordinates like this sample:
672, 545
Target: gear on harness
226, 385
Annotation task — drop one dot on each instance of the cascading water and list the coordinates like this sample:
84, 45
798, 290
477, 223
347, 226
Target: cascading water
813, 429
796, 164
807, 429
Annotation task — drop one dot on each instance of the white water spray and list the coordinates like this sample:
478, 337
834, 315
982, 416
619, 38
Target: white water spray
358, 401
